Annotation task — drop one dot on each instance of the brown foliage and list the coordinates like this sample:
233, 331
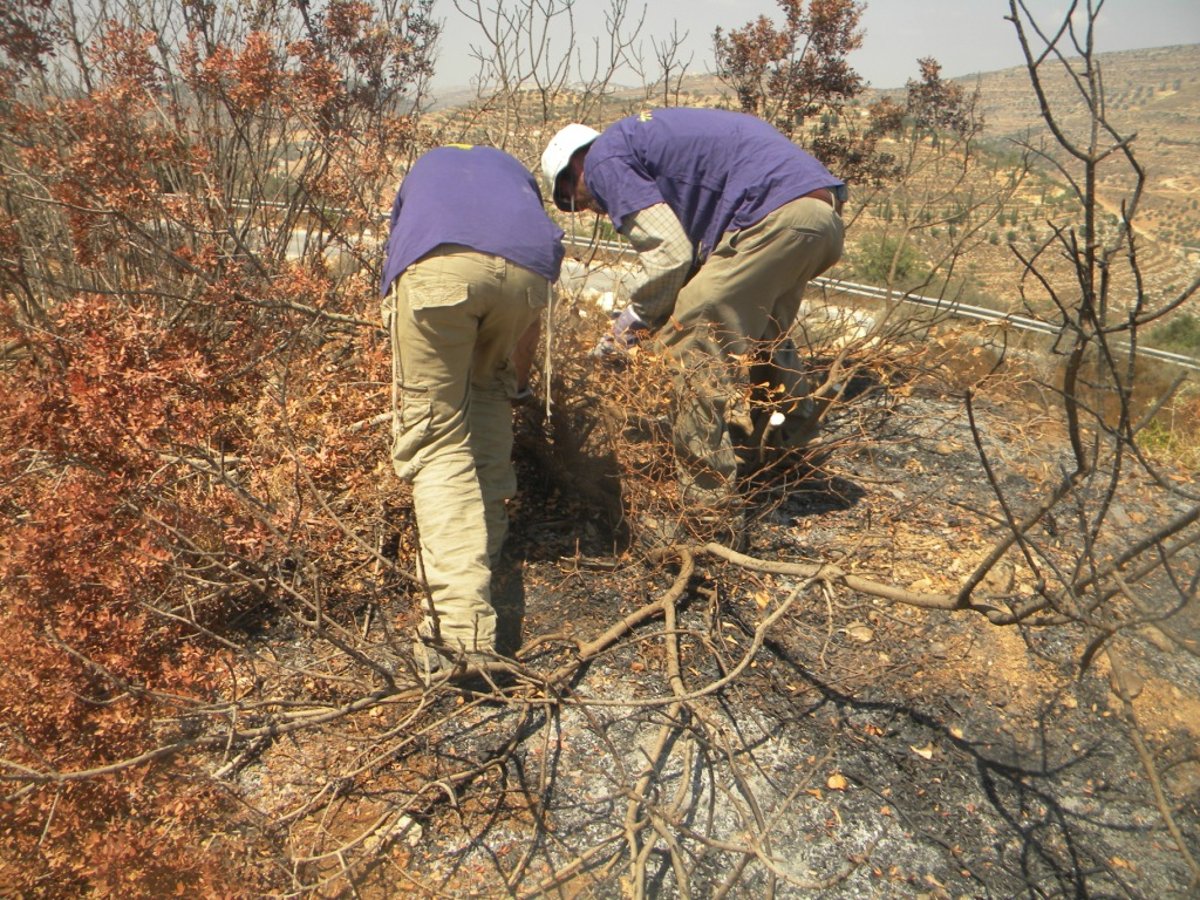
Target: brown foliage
797, 77
26, 36
178, 451
937, 105
787, 74
190, 455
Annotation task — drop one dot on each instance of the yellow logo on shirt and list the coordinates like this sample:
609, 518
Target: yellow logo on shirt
645, 115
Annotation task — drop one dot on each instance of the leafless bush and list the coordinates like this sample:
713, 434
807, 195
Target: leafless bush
608, 431
1091, 568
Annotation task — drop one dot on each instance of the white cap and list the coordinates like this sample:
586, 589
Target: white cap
561, 147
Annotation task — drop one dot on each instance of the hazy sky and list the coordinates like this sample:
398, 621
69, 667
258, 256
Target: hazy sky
966, 36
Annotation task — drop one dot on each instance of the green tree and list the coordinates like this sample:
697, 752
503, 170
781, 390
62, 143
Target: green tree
888, 259
1180, 334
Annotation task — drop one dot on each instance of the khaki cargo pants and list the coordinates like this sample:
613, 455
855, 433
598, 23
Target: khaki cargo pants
454, 318
736, 312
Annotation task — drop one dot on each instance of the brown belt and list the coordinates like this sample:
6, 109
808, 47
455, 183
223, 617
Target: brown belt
823, 194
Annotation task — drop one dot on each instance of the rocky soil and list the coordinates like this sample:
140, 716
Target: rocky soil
806, 739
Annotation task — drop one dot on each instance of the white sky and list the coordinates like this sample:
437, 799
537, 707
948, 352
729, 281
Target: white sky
966, 36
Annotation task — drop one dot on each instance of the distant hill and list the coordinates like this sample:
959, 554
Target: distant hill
1154, 91
1153, 94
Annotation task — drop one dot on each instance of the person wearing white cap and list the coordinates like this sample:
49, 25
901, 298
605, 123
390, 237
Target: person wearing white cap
730, 220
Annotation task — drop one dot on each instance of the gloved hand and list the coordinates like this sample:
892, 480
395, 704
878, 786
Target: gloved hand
628, 327
626, 332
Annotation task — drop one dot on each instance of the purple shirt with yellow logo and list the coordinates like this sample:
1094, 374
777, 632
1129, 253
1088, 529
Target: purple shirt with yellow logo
479, 197
719, 171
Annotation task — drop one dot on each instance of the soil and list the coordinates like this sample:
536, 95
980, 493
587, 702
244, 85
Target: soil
867, 749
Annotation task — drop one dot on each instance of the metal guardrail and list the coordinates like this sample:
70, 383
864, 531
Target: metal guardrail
953, 308
950, 307
983, 314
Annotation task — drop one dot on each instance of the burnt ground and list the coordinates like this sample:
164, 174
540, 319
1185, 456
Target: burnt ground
861, 748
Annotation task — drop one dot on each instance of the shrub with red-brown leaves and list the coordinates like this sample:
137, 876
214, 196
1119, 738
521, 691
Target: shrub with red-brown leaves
186, 395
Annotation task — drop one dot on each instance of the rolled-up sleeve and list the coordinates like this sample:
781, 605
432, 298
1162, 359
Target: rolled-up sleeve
666, 256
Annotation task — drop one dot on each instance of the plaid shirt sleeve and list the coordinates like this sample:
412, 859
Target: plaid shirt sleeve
666, 256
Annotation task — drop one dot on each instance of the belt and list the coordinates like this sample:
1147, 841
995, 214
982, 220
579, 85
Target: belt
824, 194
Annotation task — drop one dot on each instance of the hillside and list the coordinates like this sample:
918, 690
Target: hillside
1152, 95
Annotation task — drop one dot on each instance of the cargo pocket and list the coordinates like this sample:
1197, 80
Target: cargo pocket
430, 285
387, 309
414, 423
538, 297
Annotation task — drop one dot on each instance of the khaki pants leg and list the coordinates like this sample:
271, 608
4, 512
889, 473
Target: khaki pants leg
493, 388
746, 293
455, 317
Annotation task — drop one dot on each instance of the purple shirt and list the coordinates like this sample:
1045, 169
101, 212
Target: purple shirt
719, 171
479, 197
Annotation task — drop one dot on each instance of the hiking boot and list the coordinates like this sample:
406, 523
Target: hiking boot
728, 529
476, 670
655, 534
